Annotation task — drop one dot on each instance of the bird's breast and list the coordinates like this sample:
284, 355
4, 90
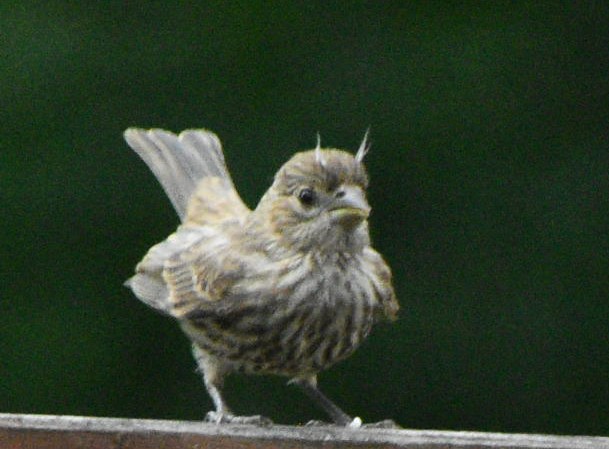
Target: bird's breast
300, 321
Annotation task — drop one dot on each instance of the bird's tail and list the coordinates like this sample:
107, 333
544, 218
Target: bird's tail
181, 161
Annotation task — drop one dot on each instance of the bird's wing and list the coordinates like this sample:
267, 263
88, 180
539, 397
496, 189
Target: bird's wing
380, 277
183, 162
191, 169
192, 268
147, 283
202, 278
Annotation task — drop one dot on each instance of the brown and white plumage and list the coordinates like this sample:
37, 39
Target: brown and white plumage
288, 288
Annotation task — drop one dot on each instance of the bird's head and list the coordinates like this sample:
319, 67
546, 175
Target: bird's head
318, 201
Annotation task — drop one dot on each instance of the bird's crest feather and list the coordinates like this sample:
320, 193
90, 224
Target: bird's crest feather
363, 148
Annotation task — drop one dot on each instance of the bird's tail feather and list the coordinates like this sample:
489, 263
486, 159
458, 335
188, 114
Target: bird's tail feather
179, 162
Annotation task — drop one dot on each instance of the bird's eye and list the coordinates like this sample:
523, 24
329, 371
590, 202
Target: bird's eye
306, 196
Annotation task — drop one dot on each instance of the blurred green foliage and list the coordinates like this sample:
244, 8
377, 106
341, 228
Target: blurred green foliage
490, 188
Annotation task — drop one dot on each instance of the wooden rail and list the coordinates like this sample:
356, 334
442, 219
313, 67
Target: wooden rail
71, 432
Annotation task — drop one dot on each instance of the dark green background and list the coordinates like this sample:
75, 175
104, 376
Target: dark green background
490, 188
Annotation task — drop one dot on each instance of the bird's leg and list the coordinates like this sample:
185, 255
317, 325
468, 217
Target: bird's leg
309, 386
213, 376
222, 411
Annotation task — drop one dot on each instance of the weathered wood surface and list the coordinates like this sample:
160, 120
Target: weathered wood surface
70, 432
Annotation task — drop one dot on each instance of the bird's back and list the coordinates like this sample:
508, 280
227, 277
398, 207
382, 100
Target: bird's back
191, 169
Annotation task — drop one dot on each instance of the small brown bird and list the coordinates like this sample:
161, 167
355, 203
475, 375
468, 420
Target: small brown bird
289, 288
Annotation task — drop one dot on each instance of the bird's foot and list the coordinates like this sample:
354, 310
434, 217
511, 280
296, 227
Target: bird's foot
319, 423
356, 423
226, 418
384, 424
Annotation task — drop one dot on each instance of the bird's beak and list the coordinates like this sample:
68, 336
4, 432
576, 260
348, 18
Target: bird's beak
349, 206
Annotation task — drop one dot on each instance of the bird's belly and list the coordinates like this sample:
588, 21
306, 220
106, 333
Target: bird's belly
284, 338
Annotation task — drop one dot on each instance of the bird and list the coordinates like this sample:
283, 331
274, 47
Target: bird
288, 288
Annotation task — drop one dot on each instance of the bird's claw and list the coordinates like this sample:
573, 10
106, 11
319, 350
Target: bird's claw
318, 423
356, 423
384, 424
227, 418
